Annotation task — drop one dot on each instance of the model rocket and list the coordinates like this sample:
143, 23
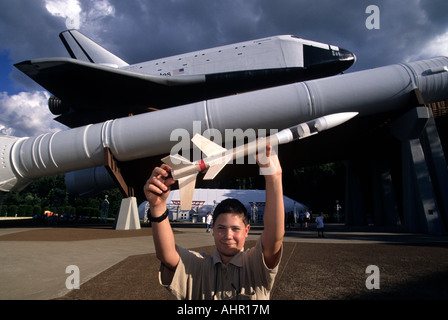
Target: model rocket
217, 157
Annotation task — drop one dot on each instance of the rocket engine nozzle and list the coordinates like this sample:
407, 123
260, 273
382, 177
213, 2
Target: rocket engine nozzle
57, 106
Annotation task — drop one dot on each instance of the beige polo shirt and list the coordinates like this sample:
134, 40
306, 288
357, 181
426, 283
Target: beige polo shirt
201, 276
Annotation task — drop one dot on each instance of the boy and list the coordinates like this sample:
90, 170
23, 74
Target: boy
230, 273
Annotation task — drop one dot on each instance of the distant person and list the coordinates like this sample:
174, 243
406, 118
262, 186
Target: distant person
231, 272
320, 225
307, 218
105, 208
209, 221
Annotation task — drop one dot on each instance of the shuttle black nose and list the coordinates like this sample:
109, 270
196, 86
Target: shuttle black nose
347, 56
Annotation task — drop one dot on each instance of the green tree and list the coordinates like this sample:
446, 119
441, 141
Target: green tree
49, 193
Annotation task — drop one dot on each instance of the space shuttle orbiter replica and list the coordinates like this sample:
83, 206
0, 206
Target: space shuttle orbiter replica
95, 85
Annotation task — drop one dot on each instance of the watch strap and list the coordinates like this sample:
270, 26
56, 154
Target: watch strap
159, 219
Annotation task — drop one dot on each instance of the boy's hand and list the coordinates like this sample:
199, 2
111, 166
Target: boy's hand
158, 186
268, 162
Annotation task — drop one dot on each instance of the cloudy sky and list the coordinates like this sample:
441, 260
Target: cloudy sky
141, 30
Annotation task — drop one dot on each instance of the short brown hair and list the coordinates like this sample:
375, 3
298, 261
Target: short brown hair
231, 206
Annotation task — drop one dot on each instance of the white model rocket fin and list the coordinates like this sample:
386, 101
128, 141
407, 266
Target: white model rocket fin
216, 167
187, 183
209, 148
186, 191
176, 161
214, 170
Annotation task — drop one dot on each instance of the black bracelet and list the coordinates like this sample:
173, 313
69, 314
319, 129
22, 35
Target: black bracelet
159, 219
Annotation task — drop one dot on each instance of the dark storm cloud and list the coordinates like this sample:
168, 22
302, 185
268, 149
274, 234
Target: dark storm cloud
28, 31
151, 29
26, 28
144, 30
160, 28
141, 30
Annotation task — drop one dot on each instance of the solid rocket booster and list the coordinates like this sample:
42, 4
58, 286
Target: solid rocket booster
367, 92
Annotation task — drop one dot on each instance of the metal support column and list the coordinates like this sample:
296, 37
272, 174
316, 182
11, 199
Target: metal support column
421, 211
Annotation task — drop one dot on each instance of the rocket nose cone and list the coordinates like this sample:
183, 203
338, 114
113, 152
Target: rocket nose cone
333, 120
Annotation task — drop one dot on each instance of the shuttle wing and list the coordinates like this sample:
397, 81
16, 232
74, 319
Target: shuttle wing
67, 77
41, 69
101, 89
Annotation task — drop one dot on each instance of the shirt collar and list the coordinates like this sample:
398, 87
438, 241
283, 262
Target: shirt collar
237, 260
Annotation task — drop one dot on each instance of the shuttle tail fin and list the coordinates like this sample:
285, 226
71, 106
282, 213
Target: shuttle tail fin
82, 48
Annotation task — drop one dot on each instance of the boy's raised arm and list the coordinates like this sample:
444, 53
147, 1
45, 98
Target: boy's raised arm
156, 191
274, 213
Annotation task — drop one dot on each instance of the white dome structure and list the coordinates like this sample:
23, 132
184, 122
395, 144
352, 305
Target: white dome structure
204, 200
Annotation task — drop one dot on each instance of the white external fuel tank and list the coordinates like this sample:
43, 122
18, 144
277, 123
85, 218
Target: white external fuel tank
366, 92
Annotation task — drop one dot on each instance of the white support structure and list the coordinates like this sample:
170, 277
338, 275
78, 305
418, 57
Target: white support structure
128, 218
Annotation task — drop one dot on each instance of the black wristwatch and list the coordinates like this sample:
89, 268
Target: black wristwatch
159, 219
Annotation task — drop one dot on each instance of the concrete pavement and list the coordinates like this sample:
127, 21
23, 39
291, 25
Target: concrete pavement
33, 261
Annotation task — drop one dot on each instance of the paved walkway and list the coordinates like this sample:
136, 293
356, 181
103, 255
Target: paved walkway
122, 265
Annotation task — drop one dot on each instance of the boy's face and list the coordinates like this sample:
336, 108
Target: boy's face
230, 234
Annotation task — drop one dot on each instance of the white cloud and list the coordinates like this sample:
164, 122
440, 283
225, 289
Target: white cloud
439, 45
67, 9
101, 9
26, 114
435, 47
77, 16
